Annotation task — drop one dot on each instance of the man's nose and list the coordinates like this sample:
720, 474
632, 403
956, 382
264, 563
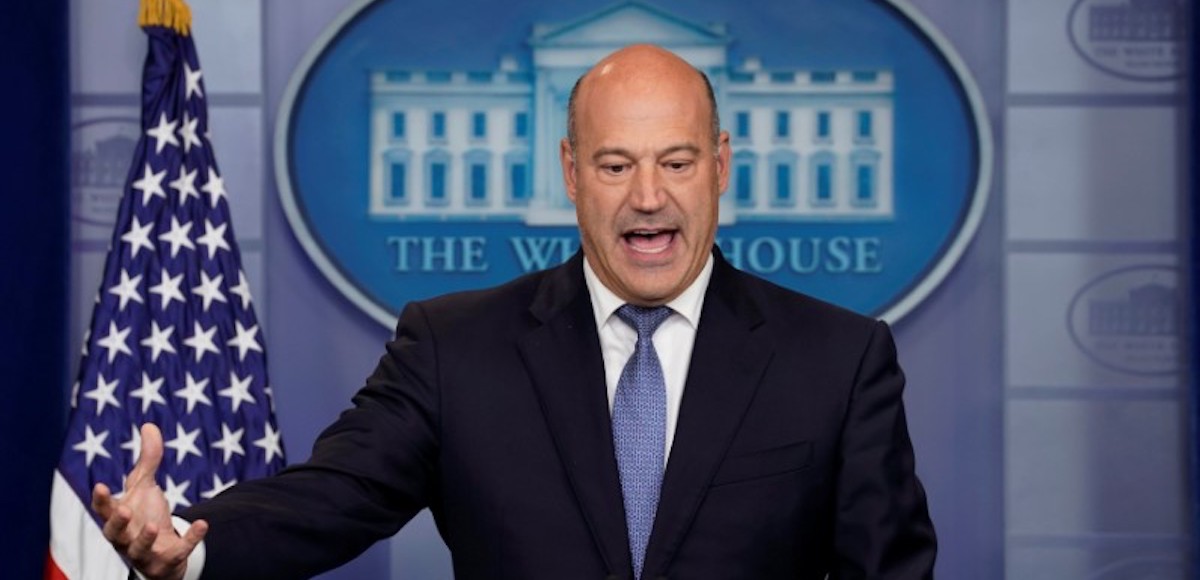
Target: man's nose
647, 192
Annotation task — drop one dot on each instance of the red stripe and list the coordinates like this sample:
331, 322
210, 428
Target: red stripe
52, 572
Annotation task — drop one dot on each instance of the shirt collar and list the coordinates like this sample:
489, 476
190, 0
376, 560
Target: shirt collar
688, 304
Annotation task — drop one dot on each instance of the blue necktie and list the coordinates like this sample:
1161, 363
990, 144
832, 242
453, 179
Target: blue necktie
639, 420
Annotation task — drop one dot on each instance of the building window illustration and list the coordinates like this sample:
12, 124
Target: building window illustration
823, 128
863, 129
1139, 20
742, 125
398, 125
1148, 310
437, 173
479, 125
824, 77
743, 178
783, 122
783, 175
517, 170
521, 125
866, 170
437, 127
397, 177
822, 175
477, 161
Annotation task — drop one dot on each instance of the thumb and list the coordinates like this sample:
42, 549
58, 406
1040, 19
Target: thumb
150, 456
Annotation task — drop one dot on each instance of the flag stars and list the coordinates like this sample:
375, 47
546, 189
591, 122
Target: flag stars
270, 443
174, 493
159, 340
114, 342
244, 340
238, 391
150, 184
185, 184
194, 392
134, 444
230, 443
201, 340
213, 238
163, 134
149, 393
187, 132
104, 394
242, 290
138, 237
218, 486
214, 187
178, 236
184, 443
127, 289
92, 445
168, 288
210, 289
192, 82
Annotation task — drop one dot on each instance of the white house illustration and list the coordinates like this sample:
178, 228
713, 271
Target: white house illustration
483, 145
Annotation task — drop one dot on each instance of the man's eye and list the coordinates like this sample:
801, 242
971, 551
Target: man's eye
616, 169
677, 165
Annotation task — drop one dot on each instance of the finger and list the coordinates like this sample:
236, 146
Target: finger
116, 529
195, 534
149, 458
102, 501
140, 548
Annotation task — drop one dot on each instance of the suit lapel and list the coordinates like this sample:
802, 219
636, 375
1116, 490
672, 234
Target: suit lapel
563, 358
729, 357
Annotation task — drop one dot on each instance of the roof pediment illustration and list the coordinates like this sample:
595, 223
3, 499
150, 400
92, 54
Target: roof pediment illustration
625, 23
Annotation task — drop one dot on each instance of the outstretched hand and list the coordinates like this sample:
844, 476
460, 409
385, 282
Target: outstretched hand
139, 523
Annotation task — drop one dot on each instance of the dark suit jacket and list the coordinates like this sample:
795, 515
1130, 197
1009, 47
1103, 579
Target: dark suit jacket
791, 457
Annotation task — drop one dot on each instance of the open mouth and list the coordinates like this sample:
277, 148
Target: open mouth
647, 241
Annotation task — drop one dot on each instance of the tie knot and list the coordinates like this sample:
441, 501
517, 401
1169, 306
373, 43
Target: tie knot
645, 320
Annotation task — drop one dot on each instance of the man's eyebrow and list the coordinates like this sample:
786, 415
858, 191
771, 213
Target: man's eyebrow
622, 152
619, 151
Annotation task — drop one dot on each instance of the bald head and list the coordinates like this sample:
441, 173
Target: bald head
639, 68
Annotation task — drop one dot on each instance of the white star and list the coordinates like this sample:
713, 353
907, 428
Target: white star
185, 184
87, 337
138, 237
92, 445
168, 288
187, 132
231, 442
213, 238
192, 81
127, 289
163, 134
210, 289
270, 393
242, 289
270, 443
238, 391
75, 393
194, 392
159, 340
244, 341
174, 494
214, 187
201, 340
134, 444
184, 443
115, 341
178, 236
150, 184
218, 486
150, 392
103, 394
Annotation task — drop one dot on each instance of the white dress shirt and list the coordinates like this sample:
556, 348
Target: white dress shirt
672, 341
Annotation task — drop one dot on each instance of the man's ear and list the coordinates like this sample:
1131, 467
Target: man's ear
724, 155
567, 159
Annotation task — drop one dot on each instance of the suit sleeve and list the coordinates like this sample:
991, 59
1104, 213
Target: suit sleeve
370, 472
882, 529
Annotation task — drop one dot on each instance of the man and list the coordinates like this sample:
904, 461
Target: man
566, 425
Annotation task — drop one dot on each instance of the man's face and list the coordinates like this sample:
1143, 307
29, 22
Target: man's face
646, 179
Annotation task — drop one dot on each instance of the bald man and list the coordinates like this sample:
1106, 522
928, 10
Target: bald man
644, 410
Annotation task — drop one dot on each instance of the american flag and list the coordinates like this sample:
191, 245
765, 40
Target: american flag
173, 339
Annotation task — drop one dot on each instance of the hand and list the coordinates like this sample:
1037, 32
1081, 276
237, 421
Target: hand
139, 524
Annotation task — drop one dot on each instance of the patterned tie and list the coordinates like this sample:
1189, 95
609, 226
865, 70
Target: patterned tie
639, 420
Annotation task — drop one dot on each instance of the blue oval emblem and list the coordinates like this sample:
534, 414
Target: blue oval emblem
1128, 320
1140, 40
411, 165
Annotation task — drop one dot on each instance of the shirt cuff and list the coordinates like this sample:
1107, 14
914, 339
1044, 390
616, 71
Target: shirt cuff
195, 561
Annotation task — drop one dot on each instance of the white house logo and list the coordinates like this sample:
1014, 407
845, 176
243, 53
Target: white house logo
1129, 320
446, 175
100, 157
1132, 39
